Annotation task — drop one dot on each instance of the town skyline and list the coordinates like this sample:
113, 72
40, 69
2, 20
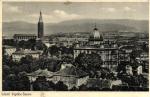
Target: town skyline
56, 47
82, 25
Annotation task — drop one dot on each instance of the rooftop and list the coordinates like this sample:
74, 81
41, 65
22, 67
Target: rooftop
71, 71
94, 48
27, 52
41, 72
25, 35
7, 46
127, 47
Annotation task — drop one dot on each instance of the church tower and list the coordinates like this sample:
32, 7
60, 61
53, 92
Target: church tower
40, 26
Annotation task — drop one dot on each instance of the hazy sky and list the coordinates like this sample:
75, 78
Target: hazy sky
57, 12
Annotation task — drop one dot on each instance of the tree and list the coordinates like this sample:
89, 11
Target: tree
53, 64
74, 89
145, 47
15, 69
94, 89
26, 60
30, 44
53, 50
40, 45
66, 50
83, 88
24, 67
60, 86
89, 63
21, 44
23, 83
6, 59
11, 82
6, 71
9, 42
105, 73
41, 84
51, 85
67, 58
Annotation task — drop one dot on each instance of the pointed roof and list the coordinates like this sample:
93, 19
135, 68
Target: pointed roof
40, 13
41, 72
71, 71
95, 28
26, 52
40, 18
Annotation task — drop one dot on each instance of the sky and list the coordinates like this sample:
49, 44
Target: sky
55, 12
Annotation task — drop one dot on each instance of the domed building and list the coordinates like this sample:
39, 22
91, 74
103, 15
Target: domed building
107, 50
96, 37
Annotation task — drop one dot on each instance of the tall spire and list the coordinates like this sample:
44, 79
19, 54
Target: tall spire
40, 18
40, 26
95, 28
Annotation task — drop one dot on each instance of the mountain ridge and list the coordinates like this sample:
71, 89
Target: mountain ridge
82, 25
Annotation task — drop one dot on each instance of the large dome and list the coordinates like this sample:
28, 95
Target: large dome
96, 35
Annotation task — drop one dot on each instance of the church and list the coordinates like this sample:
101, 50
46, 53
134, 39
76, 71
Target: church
39, 36
107, 50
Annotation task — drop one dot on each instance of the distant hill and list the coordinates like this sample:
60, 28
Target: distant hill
83, 25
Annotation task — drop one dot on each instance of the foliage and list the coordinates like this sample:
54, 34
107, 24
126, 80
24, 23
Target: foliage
14, 82
9, 42
60, 86
41, 84
89, 63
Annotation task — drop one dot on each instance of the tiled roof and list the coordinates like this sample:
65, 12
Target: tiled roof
41, 72
93, 48
25, 35
26, 52
7, 46
127, 47
71, 71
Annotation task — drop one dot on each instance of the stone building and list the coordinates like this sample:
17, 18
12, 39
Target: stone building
125, 52
16, 56
40, 73
40, 34
8, 50
108, 50
129, 70
25, 37
71, 76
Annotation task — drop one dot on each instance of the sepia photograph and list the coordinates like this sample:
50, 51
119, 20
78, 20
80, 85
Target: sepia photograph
75, 46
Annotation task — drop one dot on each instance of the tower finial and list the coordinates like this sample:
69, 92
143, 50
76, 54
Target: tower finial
40, 18
40, 13
95, 28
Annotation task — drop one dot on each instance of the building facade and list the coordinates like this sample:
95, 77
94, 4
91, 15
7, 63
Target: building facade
25, 37
16, 56
107, 50
8, 50
71, 76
